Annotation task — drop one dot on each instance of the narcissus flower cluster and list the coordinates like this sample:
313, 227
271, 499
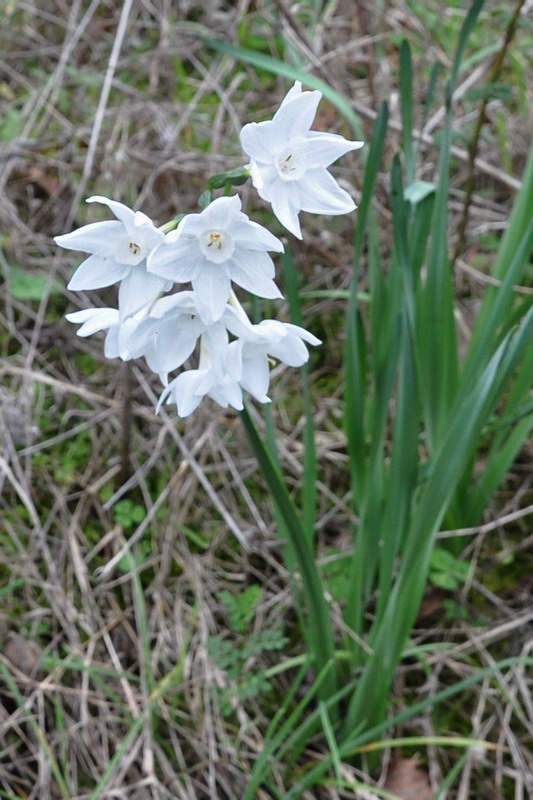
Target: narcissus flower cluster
210, 251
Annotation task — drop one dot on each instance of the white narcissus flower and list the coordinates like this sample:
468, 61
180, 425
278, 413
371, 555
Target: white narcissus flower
119, 249
169, 334
271, 338
288, 161
226, 368
214, 248
217, 376
120, 340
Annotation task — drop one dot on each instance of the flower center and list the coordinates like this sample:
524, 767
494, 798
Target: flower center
217, 246
128, 251
290, 166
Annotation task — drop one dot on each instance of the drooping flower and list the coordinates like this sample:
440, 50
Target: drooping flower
168, 336
271, 338
288, 161
214, 248
118, 252
217, 376
120, 340
226, 368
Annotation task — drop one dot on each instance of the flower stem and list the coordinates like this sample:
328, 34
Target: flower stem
125, 438
319, 633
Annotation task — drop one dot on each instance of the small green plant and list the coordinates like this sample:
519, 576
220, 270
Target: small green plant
446, 571
128, 514
232, 655
241, 607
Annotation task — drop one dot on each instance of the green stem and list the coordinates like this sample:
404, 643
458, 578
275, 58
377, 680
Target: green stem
319, 633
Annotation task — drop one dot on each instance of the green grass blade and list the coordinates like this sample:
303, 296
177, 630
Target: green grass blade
466, 29
498, 302
172, 678
406, 105
354, 743
373, 371
332, 742
437, 338
372, 167
519, 220
452, 775
510, 433
437, 342
275, 734
446, 468
401, 484
293, 736
38, 733
355, 357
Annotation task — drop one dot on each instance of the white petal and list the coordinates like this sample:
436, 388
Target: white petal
265, 179
228, 393
93, 319
96, 237
322, 149
212, 287
220, 213
111, 344
257, 142
121, 212
291, 351
284, 341
175, 261
286, 206
320, 194
253, 236
256, 376
190, 225
295, 117
173, 344
142, 220
138, 289
236, 321
215, 342
144, 335
304, 334
187, 391
96, 272
126, 338
165, 396
233, 364
294, 91
252, 271
180, 302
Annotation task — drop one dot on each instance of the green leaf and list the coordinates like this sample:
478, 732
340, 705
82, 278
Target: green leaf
241, 607
418, 191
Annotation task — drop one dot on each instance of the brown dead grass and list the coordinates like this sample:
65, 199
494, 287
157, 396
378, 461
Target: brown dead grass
73, 629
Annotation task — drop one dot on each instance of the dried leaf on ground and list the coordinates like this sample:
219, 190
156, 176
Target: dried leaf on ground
407, 781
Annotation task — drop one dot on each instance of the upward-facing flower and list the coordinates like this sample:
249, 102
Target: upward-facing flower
119, 249
216, 247
288, 161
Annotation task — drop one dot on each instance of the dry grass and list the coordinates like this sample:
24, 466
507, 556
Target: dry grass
106, 618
